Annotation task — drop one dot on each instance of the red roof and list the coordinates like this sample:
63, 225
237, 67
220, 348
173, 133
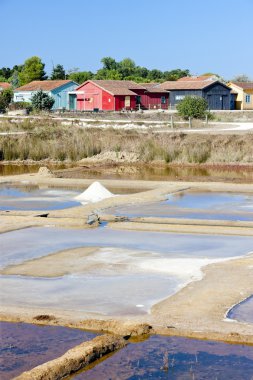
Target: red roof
187, 84
116, 87
4, 85
244, 85
200, 78
44, 85
124, 87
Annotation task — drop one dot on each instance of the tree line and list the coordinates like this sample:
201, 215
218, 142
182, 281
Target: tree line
126, 69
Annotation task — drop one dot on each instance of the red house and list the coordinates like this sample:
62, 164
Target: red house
116, 95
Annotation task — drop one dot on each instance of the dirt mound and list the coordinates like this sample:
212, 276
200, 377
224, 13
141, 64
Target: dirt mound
112, 156
45, 172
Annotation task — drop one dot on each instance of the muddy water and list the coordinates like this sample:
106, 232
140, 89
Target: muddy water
26, 169
138, 172
243, 312
198, 205
24, 346
164, 173
175, 358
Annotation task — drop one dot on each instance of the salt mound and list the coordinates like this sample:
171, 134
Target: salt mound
45, 172
95, 193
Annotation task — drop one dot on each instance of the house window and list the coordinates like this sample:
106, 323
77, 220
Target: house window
248, 100
179, 97
163, 100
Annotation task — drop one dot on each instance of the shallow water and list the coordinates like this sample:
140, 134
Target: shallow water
24, 346
185, 359
36, 198
144, 267
201, 205
151, 173
243, 312
26, 169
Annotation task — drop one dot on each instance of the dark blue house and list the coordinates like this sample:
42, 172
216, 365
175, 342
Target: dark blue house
215, 92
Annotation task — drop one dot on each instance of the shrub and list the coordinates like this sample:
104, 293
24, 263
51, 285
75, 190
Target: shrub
5, 99
41, 101
192, 106
20, 106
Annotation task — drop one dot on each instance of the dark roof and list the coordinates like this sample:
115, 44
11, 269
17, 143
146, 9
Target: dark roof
45, 85
244, 85
4, 85
116, 87
188, 85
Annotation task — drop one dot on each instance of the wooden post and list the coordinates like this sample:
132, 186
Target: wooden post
206, 119
171, 122
190, 122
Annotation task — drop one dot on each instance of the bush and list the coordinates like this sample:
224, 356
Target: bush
5, 99
41, 101
20, 106
192, 106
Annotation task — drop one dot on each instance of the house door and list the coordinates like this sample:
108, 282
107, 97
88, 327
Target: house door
72, 102
127, 102
215, 102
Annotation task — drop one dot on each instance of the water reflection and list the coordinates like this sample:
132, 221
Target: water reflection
174, 358
24, 346
163, 173
36, 198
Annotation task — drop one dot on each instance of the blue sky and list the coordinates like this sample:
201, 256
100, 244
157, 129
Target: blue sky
199, 35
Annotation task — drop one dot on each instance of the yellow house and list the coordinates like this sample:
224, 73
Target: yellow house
243, 92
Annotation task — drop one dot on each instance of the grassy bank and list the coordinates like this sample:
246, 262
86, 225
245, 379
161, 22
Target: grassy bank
48, 139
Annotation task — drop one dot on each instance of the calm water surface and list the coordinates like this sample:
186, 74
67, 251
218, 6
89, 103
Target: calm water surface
24, 345
243, 312
173, 358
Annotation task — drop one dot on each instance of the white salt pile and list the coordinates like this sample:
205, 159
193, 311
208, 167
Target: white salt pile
95, 193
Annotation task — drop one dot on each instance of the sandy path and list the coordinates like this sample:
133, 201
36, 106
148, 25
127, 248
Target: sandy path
57, 264
202, 305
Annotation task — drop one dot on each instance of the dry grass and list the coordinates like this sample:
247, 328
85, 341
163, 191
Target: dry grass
48, 139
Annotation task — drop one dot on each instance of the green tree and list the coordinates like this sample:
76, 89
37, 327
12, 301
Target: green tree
108, 74
155, 75
192, 106
58, 72
5, 99
81, 76
175, 74
33, 69
15, 79
5, 72
126, 67
41, 101
109, 63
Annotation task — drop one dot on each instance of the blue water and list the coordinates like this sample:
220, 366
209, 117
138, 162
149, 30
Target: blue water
243, 312
208, 206
21, 245
33, 198
173, 358
24, 345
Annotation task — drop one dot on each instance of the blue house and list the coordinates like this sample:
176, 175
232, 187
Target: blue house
60, 90
216, 93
